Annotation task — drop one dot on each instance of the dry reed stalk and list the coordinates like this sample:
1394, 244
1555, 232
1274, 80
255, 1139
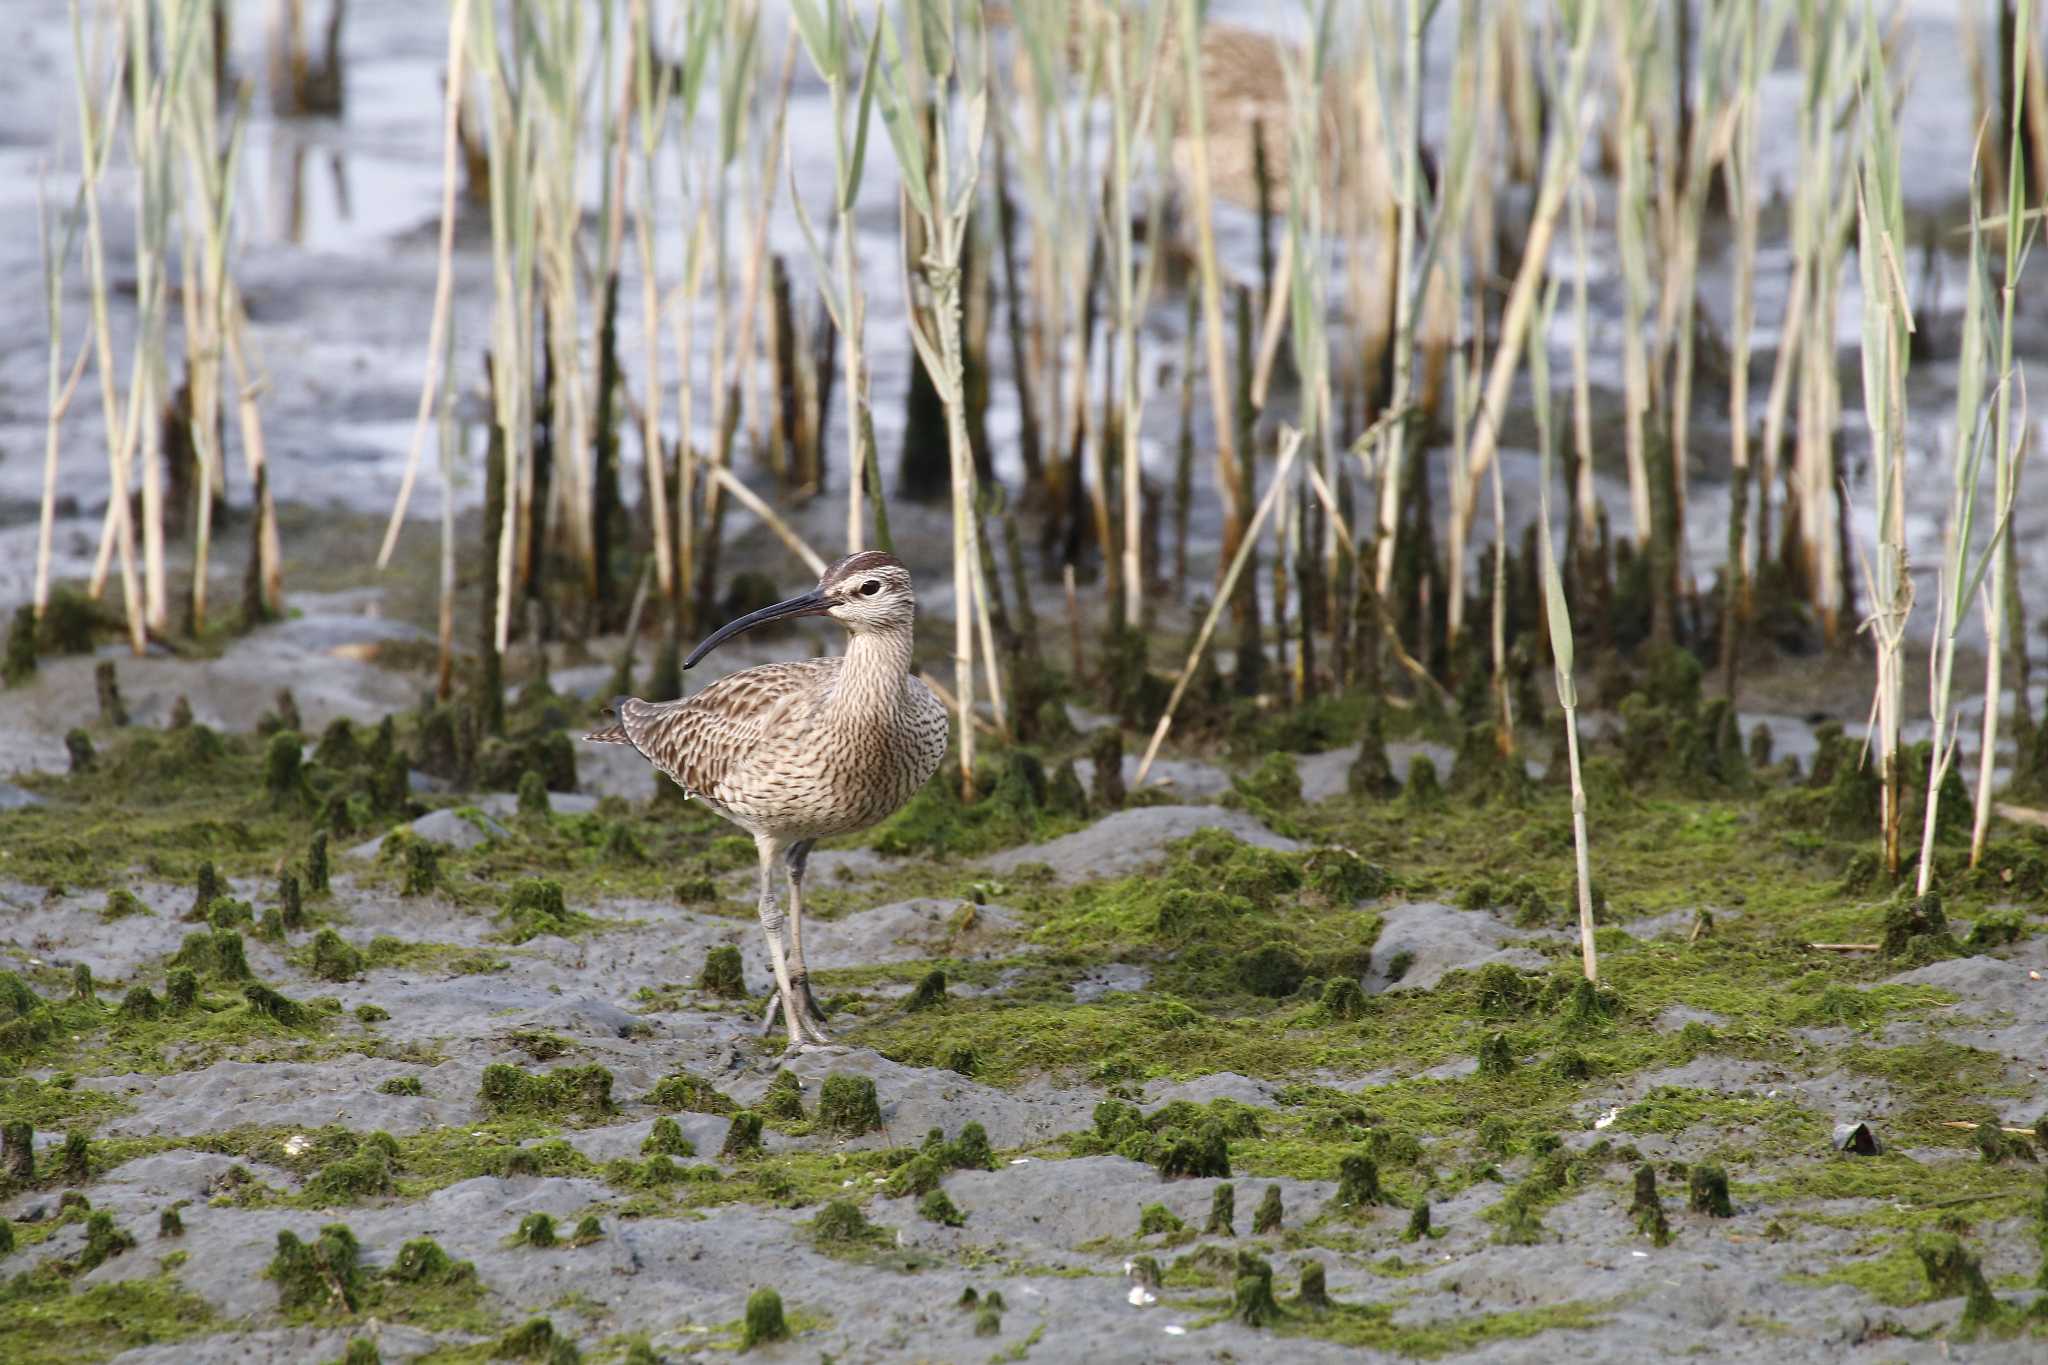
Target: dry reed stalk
249, 387
1290, 446
1887, 330
1560, 167
746, 497
513, 248
1634, 44
825, 40
739, 359
1408, 284
1558, 617
2007, 452
1586, 491
939, 182
651, 90
1959, 581
1201, 194
449, 443
118, 420
62, 387
1762, 30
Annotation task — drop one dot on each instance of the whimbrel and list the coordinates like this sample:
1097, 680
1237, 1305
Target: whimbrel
793, 752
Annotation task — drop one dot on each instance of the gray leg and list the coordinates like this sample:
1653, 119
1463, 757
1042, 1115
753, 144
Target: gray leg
771, 926
799, 974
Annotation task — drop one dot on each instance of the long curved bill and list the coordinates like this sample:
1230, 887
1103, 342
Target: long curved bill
809, 604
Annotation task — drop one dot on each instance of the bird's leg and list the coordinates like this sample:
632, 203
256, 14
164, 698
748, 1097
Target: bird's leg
771, 926
799, 974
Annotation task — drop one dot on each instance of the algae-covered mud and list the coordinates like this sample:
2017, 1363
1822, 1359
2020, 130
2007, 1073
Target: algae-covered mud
316, 1045
1265, 975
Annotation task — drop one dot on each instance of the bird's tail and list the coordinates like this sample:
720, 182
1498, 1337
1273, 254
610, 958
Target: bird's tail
615, 733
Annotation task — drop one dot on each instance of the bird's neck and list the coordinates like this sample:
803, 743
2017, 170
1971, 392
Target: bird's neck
871, 681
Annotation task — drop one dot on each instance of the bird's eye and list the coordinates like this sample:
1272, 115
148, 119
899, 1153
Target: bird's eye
870, 588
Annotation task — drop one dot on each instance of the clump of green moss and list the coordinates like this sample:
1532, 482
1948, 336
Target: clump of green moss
1343, 878
583, 1090
1496, 1057
276, 1005
104, 1240
721, 975
230, 912
535, 1230
784, 1098
284, 776
1501, 992
1358, 1183
841, 1223
361, 1351
1951, 1270
78, 746
1707, 1191
316, 864
764, 1321
121, 903
18, 1153
667, 1139
1647, 1209
371, 1013
1272, 970
170, 1223
533, 794
1157, 1218
536, 1339
1519, 1221
324, 1275
422, 1261
422, 869
365, 1172
847, 1105
1252, 1301
1222, 1212
1424, 791
335, 958
1186, 1153
74, 1159
742, 1137
930, 993
1588, 1008
1917, 930
1267, 1217
686, 1091
20, 663
919, 1175
970, 1151
1314, 1292
1418, 1222
938, 1207
214, 952
181, 989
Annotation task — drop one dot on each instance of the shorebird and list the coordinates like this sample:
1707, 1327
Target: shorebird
794, 752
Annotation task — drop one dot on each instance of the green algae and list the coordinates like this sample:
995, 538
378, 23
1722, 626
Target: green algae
684, 1090
847, 1105
46, 1320
579, 1091
764, 1321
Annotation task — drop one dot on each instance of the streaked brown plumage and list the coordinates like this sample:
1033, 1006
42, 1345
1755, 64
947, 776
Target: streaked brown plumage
798, 751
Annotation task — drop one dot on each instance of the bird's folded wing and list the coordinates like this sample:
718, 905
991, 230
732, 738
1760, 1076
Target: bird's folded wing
699, 740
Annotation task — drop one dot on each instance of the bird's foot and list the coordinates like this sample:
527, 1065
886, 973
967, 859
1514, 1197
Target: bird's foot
806, 1028
801, 987
808, 1048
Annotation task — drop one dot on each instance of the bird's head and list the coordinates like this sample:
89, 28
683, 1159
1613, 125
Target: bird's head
869, 591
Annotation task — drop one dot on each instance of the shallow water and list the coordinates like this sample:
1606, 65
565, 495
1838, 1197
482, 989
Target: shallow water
337, 261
